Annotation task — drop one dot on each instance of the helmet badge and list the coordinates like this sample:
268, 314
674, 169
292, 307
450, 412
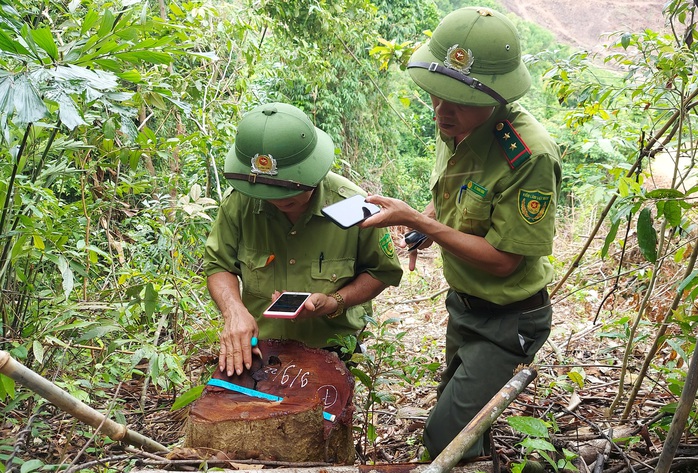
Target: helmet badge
264, 164
459, 59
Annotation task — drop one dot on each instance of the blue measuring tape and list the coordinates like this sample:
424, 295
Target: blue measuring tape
251, 392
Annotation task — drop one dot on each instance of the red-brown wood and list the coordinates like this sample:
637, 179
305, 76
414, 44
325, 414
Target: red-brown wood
309, 380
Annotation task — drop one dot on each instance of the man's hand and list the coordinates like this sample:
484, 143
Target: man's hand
415, 241
317, 305
239, 326
396, 212
236, 343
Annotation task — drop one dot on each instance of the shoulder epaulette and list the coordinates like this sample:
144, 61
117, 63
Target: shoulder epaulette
515, 150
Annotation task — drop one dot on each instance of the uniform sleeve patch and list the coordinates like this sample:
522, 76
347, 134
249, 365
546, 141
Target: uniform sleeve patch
533, 205
386, 244
515, 150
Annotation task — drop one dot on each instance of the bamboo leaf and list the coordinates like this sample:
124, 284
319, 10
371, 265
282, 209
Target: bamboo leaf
110, 65
11, 46
612, 232
99, 329
130, 76
152, 57
39, 242
107, 24
29, 40
90, 19
44, 39
18, 247
647, 235
187, 397
688, 281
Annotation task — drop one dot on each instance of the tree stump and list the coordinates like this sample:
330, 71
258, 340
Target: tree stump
310, 381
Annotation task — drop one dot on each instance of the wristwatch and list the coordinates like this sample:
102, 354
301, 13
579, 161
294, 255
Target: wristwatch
340, 305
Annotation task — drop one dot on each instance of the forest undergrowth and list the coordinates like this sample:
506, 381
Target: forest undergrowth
578, 378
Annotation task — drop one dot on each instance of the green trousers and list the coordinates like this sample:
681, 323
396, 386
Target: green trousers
483, 348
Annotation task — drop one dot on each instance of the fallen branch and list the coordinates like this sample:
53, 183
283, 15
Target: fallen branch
467, 437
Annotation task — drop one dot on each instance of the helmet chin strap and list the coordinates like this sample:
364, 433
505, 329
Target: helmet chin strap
460, 77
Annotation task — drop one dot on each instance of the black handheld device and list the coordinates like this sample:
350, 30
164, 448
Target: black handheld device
414, 239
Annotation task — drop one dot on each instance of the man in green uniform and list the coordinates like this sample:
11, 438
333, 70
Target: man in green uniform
494, 190
270, 236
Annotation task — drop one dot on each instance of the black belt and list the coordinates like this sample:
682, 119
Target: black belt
536, 301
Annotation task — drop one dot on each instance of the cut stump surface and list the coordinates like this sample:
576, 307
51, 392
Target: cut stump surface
310, 381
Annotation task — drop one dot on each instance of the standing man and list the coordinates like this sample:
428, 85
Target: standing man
270, 236
494, 189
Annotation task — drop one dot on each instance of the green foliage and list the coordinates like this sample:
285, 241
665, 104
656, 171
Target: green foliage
97, 247
379, 368
535, 443
115, 120
362, 109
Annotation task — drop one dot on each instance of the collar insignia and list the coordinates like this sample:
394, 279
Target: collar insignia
459, 59
264, 164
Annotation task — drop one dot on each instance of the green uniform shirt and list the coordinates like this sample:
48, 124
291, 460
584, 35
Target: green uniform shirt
312, 255
477, 190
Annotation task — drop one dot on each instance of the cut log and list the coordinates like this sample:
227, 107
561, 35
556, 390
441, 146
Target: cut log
310, 381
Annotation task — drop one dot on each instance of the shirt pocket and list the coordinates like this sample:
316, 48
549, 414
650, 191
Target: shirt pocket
257, 275
332, 274
475, 214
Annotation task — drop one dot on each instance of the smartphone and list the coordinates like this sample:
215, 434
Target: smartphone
287, 306
351, 211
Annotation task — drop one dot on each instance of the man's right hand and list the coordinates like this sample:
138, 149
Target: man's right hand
236, 347
239, 326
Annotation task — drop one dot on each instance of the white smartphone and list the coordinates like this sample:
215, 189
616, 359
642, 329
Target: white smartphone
351, 211
287, 306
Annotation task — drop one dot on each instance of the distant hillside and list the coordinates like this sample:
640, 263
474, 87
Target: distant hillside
586, 24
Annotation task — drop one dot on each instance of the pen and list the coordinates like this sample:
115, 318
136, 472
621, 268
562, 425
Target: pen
319, 264
269, 259
464, 187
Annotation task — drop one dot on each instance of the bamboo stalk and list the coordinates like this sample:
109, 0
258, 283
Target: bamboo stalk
64, 401
453, 453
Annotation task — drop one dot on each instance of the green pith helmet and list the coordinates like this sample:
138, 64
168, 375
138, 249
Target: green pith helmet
473, 58
278, 153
